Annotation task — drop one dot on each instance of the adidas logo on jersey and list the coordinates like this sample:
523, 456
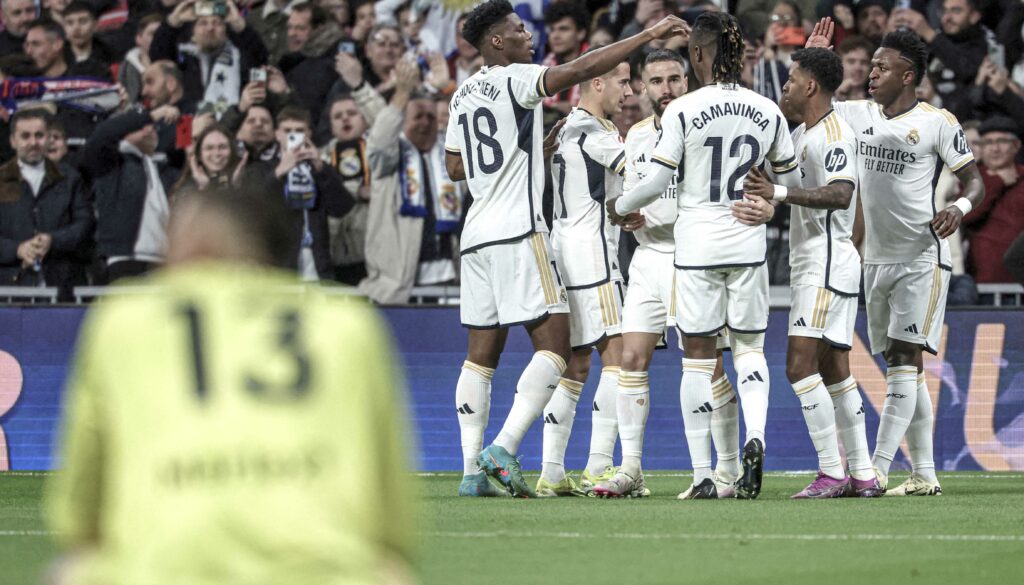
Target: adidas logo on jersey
756, 376
800, 323
704, 408
550, 419
870, 131
912, 328
465, 409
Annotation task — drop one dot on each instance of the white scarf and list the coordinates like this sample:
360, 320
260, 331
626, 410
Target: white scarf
222, 76
151, 244
447, 200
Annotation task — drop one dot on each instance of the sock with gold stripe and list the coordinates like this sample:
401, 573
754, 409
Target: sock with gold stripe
821, 423
850, 427
473, 405
633, 408
695, 400
536, 384
559, 415
897, 412
604, 428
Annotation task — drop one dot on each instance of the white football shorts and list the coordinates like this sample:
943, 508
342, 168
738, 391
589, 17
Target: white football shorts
906, 301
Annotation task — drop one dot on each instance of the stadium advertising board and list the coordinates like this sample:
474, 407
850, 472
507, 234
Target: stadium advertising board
976, 381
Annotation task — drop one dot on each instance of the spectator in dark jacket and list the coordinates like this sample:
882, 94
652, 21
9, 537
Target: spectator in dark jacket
131, 193
957, 50
80, 28
17, 15
313, 200
45, 216
309, 63
216, 61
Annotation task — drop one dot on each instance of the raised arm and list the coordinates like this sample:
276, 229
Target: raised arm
595, 63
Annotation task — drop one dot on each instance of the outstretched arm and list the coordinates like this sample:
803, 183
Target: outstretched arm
561, 77
646, 192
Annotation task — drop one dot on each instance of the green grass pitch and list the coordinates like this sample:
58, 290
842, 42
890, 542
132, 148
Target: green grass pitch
974, 533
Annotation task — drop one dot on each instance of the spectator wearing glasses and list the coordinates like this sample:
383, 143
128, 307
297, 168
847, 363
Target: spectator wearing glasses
994, 224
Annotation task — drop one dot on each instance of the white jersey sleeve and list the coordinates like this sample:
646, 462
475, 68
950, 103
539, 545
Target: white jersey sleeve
659, 216
952, 144
782, 156
608, 151
668, 151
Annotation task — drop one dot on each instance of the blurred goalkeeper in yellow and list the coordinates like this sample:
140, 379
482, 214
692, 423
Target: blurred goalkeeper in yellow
225, 425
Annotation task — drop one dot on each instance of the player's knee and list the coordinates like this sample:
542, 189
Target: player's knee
901, 353
744, 343
633, 360
578, 366
799, 367
485, 358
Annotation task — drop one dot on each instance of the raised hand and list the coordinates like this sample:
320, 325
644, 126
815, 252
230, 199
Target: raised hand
551, 140
669, 27
821, 35
182, 14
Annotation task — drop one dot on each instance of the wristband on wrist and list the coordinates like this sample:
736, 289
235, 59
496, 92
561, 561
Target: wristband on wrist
963, 205
780, 193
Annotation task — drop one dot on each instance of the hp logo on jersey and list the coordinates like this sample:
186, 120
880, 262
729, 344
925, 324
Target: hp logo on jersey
960, 142
835, 160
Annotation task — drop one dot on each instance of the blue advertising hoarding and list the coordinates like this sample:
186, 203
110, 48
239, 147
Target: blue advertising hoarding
976, 381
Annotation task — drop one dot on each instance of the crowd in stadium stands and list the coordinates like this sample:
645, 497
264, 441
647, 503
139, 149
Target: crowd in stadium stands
116, 108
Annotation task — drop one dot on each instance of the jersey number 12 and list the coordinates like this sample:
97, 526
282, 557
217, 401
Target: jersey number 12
715, 143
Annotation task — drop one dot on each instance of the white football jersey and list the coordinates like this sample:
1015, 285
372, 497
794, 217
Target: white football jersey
661, 215
821, 251
714, 136
899, 160
585, 172
496, 125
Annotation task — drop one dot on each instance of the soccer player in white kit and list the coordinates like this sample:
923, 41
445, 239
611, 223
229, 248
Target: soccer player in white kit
585, 170
902, 145
649, 307
494, 142
714, 136
825, 274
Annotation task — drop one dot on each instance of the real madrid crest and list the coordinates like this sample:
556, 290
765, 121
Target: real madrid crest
913, 137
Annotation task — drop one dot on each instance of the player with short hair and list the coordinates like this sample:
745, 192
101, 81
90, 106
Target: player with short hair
907, 267
712, 137
649, 307
230, 466
509, 277
825, 274
585, 171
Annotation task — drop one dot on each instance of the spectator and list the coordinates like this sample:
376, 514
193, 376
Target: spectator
384, 47
994, 93
873, 19
314, 190
785, 32
629, 114
129, 72
414, 208
646, 12
957, 51
999, 220
131, 192
45, 216
346, 152
55, 9
17, 16
162, 85
759, 12
365, 20
856, 53
308, 66
16, 65
466, 60
216, 63
768, 73
256, 133
269, 20
213, 162
57, 147
45, 44
79, 23
340, 12
566, 24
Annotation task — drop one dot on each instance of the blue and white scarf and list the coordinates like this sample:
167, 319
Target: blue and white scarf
447, 195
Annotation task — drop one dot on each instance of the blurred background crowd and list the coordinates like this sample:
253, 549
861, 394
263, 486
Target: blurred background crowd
115, 109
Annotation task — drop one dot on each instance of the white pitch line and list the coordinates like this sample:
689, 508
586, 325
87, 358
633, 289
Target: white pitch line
734, 537
456, 474
26, 533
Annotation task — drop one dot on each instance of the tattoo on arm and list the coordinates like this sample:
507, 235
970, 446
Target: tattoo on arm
832, 196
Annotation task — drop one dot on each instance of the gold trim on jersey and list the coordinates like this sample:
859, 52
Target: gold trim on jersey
664, 161
833, 131
641, 124
453, 149
903, 115
941, 111
839, 178
783, 169
933, 300
963, 163
540, 83
547, 282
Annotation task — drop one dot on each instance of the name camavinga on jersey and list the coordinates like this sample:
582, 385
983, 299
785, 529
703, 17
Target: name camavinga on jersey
730, 109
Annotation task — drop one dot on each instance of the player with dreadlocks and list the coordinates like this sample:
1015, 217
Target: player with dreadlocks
712, 137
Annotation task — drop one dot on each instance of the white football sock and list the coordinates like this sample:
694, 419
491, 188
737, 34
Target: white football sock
897, 412
725, 429
821, 423
695, 400
849, 409
473, 404
604, 426
558, 417
633, 406
752, 385
536, 384
919, 434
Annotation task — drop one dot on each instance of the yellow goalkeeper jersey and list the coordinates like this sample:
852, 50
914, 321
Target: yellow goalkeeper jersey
226, 425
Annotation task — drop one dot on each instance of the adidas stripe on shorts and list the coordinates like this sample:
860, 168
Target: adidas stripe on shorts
906, 301
822, 314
